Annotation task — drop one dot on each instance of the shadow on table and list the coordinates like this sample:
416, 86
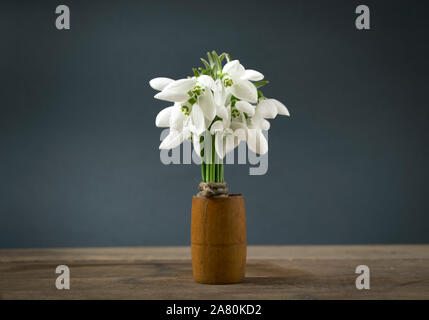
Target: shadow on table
270, 274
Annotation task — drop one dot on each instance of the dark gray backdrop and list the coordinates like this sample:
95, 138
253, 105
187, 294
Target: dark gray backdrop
79, 162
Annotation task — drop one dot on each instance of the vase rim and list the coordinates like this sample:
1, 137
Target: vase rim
232, 195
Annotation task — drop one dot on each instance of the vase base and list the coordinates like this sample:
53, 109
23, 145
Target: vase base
219, 264
220, 282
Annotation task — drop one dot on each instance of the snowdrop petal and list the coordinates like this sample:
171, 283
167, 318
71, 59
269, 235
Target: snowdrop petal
181, 85
226, 119
234, 69
246, 107
171, 141
206, 102
206, 81
252, 75
163, 117
238, 128
281, 108
265, 124
266, 109
197, 144
219, 93
221, 112
255, 121
230, 66
263, 143
245, 90
198, 119
220, 145
176, 91
171, 96
230, 143
216, 127
177, 118
239, 132
160, 83
256, 141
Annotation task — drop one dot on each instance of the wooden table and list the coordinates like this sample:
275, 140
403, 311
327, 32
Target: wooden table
273, 272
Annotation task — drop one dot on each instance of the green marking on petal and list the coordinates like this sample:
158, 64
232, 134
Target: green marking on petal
235, 113
185, 109
227, 82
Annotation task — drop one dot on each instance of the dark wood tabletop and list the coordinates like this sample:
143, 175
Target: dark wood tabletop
273, 272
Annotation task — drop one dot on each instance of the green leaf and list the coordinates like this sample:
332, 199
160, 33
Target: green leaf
210, 59
261, 83
228, 57
206, 64
216, 59
196, 73
221, 57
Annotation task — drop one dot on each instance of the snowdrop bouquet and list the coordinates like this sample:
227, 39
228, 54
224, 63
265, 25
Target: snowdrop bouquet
216, 108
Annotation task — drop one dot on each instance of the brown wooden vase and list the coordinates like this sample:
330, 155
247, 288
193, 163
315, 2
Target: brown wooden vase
218, 239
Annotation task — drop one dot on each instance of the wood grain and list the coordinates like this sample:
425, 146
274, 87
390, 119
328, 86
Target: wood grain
274, 272
218, 239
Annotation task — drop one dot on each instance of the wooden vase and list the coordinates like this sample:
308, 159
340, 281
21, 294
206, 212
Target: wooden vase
218, 239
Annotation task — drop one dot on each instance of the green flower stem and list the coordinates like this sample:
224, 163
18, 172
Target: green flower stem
203, 170
212, 172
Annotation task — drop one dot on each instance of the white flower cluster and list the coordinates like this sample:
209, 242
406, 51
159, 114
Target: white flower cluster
222, 100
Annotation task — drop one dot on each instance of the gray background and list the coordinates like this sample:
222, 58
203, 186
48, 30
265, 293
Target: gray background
80, 165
